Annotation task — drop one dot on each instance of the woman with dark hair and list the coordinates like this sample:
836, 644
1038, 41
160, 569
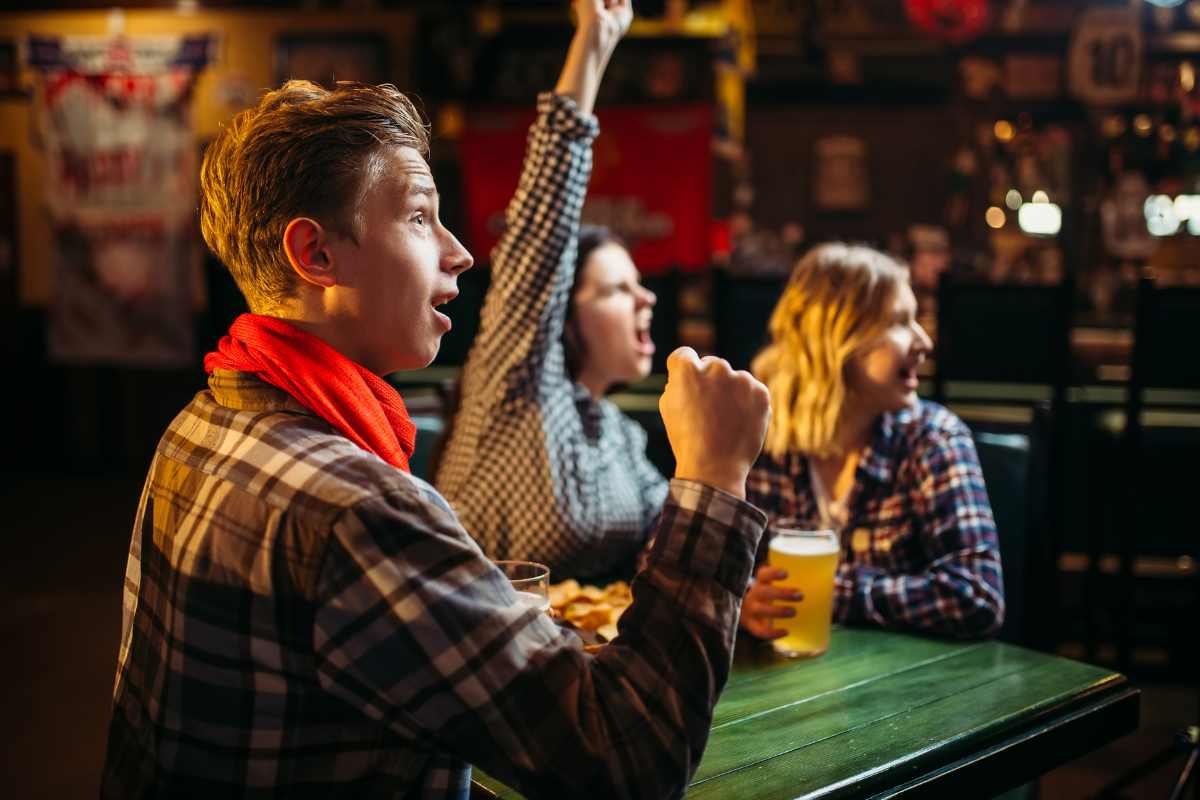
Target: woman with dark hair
539, 465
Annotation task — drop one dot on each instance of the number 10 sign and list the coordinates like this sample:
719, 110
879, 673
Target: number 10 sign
1106, 56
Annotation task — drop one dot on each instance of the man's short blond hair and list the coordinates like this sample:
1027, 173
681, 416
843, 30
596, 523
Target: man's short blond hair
837, 301
303, 151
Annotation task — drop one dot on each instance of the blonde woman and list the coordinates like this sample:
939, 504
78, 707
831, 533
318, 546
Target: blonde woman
850, 447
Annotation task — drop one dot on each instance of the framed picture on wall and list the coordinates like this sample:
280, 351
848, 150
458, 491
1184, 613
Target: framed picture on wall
841, 179
325, 59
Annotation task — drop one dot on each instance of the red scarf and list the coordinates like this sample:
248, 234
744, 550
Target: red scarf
349, 397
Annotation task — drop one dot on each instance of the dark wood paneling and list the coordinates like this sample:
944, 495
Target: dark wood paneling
908, 152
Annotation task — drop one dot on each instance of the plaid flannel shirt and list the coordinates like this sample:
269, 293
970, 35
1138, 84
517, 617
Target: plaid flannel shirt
303, 620
920, 549
536, 467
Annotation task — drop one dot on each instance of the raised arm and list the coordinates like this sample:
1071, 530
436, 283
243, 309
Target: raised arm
532, 264
961, 592
600, 25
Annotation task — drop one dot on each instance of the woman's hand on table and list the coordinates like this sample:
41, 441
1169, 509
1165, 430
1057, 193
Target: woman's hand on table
759, 607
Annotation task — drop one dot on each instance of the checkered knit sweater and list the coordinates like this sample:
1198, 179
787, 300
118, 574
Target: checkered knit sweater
536, 468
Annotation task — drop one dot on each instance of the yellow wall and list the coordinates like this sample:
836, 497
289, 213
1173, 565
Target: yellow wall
247, 52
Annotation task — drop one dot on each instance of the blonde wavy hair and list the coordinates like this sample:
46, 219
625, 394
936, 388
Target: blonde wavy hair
837, 300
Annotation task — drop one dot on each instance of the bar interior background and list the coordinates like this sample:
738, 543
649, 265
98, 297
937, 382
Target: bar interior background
1008, 146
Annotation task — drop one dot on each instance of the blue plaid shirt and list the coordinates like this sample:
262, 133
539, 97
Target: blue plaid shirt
919, 550
303, 620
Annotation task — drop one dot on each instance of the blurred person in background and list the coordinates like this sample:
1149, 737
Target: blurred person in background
305, 618
853, 449
537, 463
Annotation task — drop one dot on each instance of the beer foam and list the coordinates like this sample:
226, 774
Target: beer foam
804, 545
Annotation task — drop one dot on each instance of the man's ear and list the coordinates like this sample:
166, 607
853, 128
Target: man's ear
306, 244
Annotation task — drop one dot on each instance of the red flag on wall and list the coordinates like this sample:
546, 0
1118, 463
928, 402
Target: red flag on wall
651, 180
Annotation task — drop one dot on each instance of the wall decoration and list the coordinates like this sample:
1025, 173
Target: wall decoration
651, 180
1030, 76
112, 115
841, 180
954, 21
360, 57
1105, 59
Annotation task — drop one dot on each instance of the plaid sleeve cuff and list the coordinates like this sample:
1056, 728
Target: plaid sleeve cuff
559, 113
708, 533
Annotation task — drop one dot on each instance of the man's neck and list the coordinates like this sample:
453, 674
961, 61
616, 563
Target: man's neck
313, 320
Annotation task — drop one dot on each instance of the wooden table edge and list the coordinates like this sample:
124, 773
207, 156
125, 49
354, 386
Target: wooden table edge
1047, 740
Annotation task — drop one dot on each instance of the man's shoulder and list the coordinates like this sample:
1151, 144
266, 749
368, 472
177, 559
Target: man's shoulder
284, 459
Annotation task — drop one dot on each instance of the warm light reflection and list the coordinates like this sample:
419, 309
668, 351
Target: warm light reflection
1041, 197
1142, 125
1040, 219
1003, 129
1161, 219
995, 217
1187, 206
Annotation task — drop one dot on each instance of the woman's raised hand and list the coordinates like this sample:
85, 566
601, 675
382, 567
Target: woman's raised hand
606, 21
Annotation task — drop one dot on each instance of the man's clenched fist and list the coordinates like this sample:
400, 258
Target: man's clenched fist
716, 419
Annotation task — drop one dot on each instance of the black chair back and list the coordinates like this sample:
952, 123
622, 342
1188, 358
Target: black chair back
430, 428
1156, 517
1166, 333
1013, 457
664, 326
742, 307
464, 310
1003, 333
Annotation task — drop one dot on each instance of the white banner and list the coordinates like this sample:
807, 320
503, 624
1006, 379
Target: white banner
113, 119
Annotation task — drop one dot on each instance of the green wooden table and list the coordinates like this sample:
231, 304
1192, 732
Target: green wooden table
886, 714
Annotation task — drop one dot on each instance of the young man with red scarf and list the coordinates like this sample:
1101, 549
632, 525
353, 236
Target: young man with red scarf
303, 618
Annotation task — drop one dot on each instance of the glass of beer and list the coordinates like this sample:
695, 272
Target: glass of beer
531, 580
810, 558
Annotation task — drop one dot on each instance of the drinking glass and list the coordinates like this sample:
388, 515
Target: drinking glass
810, 558
531, 581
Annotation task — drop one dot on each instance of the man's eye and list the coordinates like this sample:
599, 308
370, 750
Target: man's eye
419, 218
